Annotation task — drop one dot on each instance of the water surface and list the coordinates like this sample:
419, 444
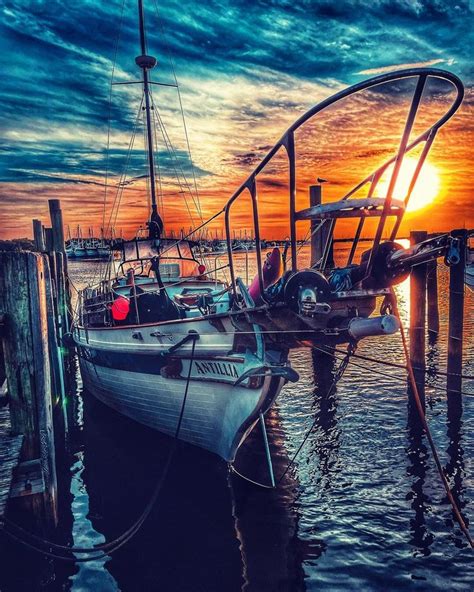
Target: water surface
363, 508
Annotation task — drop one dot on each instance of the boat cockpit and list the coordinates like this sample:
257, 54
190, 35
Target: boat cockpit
157, 280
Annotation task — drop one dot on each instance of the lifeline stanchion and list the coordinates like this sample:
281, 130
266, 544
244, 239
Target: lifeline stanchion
426, 428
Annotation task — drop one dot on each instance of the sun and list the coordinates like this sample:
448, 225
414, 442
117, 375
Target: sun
426, 188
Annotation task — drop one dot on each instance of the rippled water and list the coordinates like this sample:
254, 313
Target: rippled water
363, 509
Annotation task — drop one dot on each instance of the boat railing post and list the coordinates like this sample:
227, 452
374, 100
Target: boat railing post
256, 223
319, 238
246, 265
290, 149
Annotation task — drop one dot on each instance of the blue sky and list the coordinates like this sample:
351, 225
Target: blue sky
246, 69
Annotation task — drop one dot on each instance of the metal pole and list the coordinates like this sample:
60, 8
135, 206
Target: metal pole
146, 63
267, 449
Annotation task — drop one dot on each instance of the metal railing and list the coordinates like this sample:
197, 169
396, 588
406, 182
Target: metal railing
287, 141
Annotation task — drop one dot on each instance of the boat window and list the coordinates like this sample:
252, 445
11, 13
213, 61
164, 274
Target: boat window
176, 259
130, 251
147, 249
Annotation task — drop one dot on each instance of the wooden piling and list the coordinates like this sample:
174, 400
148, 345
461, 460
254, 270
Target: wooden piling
38, 235
432, 297
58, 389
417, 321
318, 238
57, 226
48, 239
23, 301
456, 321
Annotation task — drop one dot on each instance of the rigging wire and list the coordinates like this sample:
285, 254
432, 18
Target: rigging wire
175, 160
403, 366
161, 200
170, 58
121, 184
109, 117
109, 121
165, 136
333, 351
426, 428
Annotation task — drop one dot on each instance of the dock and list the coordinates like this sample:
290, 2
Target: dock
34, 421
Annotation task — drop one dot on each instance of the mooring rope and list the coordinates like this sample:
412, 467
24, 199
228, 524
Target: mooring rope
437, 387
404, 366
248, 479
106, 549
426, 428
337, 377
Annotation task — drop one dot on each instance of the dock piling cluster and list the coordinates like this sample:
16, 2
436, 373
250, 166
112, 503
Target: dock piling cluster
35, 305
424, 313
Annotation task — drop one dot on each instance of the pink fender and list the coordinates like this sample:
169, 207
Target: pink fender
272, 270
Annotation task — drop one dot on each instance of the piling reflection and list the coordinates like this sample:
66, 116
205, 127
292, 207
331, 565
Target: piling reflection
454, 468
417, 453
325, 441
189, 536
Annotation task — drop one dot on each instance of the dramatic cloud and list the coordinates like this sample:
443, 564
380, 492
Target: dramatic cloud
247, 69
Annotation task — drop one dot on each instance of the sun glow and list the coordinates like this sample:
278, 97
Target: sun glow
426, 188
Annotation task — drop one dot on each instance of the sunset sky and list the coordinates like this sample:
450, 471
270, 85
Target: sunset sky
247, 69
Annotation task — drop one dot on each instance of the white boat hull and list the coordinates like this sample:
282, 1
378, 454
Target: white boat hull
217, 416
130, 376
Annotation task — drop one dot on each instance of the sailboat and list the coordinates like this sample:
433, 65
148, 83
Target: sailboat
164, 328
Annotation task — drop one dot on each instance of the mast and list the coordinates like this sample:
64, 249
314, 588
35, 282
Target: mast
147, 62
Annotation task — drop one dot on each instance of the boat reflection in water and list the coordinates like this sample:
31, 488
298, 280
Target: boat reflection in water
208, 530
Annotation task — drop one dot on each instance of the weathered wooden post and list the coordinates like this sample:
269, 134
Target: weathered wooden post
25, 340
318, 237
58, 263
38, 236
56, 216
417, 321
58, 388
432, 295
456, 322
48, 239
